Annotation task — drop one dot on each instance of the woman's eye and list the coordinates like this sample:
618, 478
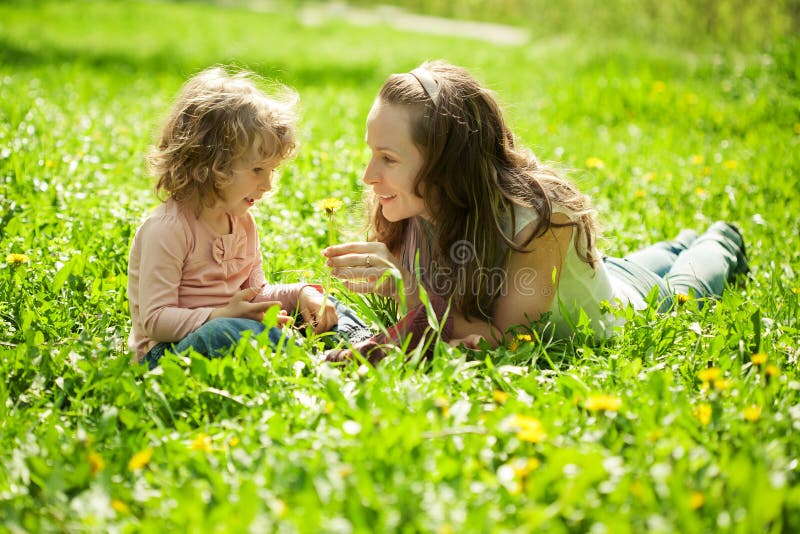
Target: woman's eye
387, 159
258, 170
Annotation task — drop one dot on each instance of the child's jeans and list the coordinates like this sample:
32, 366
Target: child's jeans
216, 337
686, 265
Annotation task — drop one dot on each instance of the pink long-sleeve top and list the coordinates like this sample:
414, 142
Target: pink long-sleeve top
180, 270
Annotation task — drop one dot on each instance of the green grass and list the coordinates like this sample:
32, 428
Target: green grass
280, 442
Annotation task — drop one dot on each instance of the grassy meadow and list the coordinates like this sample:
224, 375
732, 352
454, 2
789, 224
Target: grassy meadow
686, 422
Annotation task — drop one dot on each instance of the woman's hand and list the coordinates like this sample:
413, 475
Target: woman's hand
317, 310
241, 307
369, 267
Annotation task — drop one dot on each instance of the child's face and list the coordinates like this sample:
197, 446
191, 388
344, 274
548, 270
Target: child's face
395, 162
252, 178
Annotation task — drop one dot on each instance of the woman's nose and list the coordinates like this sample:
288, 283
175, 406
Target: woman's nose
370, 174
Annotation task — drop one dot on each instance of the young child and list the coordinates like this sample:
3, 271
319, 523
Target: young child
489, 225
195, 277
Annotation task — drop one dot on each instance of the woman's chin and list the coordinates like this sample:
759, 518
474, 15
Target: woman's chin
397, 216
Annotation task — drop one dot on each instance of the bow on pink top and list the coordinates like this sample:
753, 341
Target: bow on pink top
227, 248
224, 248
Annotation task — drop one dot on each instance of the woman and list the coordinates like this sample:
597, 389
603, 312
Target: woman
502, 238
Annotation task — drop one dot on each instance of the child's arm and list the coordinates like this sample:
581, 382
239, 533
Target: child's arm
164, 245
287, 294
307, 299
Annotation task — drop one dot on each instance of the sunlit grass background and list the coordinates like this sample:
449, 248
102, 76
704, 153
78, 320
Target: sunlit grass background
668, 118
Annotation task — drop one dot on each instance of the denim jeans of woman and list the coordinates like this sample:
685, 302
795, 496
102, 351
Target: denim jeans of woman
689, 264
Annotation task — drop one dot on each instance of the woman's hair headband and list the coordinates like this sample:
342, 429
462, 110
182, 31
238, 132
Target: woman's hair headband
427, 81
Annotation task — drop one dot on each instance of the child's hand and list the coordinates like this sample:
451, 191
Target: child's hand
241, 307
317, 310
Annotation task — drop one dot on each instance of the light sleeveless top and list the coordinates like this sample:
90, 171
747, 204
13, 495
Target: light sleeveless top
581, 287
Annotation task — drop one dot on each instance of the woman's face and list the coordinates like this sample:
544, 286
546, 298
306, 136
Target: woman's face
395, 162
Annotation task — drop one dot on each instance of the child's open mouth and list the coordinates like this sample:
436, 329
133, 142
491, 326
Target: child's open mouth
250, 200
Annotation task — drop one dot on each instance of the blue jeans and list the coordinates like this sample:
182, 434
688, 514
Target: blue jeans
216, 337
689, 264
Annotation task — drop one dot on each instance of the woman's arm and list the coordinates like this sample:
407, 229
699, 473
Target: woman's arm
529, 291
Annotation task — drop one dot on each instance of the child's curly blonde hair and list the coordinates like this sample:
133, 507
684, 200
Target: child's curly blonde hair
216, 119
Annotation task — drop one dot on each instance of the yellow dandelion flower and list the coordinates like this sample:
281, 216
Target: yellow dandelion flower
96, 462
703, 413
696, 500
140, 459
514, 345
654, 435
445, 529
752, 413
120, 506
345, 471
499, 397
697, 159
442, 403
730, 164
528, 428
608, 403
49, 163
523, 466
722, 384
17, 259
524, 337
659, 86
710, 374
681, 298
706, 171
796, 290
201, 443
308, 274
330, 205
759, 358
328, 407
772, 370
595, 163
639, 193
234, 441
649, 177
532, 434
700, 192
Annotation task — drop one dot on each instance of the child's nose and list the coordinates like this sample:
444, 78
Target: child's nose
266, 182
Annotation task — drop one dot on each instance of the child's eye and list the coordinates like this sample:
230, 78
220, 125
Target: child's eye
387, 159
258, 170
